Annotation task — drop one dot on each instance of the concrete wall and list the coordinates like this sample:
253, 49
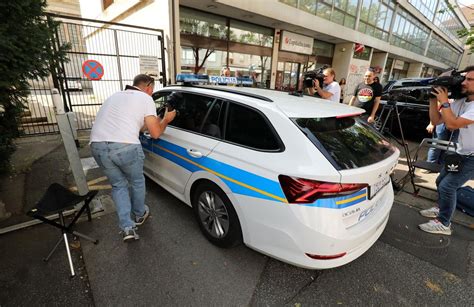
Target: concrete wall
357, 69
342, 59
379, 59
414, 70
64, 7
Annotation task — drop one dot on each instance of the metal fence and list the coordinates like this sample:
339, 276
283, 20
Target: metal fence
121, 49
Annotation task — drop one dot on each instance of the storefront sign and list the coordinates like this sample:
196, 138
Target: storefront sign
296, 43
149, 65
398, 64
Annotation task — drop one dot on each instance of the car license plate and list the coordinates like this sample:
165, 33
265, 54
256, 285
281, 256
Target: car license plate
375, 188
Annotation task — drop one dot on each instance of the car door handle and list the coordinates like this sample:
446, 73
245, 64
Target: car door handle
194, 153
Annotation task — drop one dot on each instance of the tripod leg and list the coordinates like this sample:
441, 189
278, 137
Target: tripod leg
69, 255
411, 169
66, 243
46, 259
85, 237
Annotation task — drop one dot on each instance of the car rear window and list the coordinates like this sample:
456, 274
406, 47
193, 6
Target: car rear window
347, 142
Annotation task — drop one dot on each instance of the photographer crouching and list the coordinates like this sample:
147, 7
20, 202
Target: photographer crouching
459, 166
331, 90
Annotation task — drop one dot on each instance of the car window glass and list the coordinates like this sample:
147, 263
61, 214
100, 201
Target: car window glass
192, 111
249, 128
349, 141
160, 99
213, 119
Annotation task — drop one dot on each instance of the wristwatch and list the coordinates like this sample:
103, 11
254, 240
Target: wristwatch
445, 105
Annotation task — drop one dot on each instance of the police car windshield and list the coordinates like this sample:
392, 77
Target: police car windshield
347, 142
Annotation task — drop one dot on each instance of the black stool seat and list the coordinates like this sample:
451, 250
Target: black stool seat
56, 200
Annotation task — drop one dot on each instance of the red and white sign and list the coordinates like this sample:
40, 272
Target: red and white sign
296, 43
359, 48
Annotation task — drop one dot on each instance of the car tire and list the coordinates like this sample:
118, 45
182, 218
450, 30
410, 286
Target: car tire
216, 216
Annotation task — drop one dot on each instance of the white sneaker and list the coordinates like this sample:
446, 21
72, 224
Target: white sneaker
431, 212
435, 226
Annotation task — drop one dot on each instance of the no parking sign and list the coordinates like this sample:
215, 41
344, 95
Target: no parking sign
93, 70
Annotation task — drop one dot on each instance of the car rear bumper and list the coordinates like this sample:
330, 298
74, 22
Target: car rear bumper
296, 231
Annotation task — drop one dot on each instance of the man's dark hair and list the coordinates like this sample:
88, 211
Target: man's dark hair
143, 80
469, 68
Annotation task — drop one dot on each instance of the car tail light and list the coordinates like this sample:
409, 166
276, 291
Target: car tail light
326, 257
306, 191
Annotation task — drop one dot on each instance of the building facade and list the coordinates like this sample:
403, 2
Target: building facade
272, 42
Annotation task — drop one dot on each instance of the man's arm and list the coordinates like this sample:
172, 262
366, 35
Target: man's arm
452, 122
435, 116
430, 128
447, 116
322, 93
352, 100
371, 118
156, 126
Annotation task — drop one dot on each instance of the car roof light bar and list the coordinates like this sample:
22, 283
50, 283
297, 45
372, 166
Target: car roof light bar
200, 81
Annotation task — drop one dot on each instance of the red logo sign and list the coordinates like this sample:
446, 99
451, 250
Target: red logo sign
93, 70
359, 48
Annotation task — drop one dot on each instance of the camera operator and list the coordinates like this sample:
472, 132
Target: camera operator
456, 115
330, 90
367, 96
117, 150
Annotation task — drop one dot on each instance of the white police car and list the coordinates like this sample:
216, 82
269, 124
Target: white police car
299, 179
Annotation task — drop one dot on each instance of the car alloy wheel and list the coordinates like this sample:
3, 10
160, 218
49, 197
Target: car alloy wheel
213, 214
216, 215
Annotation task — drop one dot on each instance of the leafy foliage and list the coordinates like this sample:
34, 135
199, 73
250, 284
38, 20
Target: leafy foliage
26, 52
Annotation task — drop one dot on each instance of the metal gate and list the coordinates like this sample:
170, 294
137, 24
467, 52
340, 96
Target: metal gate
123, 50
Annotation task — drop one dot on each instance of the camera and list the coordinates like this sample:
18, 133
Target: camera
420, 91
452, 80
173, 102
310, 76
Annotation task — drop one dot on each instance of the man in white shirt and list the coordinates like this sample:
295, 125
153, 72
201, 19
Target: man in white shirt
116, 147
331, 90
456, 115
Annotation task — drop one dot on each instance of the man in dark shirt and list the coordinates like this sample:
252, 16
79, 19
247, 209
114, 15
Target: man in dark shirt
367, 96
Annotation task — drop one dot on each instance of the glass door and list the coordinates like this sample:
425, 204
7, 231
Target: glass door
287, 76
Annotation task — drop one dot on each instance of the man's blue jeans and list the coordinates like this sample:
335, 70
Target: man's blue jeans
123, 166
440, 133
448, 184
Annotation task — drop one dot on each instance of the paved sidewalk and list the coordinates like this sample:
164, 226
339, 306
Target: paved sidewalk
26, 280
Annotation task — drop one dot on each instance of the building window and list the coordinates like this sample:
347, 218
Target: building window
408, 33
448, 22
321, 48
376, 17
441, 51
342, 12
106, 4
248, 46
425, 7
244, 32
202, 24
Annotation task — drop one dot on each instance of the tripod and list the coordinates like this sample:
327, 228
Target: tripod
387, 110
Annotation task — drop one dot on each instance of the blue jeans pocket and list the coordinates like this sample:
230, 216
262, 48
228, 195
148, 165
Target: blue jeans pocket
126, 154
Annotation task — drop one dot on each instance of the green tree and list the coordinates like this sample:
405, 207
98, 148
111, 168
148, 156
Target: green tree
26, 52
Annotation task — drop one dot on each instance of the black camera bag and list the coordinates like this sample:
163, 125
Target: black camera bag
453, 162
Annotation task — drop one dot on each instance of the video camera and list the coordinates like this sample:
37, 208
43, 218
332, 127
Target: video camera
420, 91
451, 80
173, 102
310, 76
